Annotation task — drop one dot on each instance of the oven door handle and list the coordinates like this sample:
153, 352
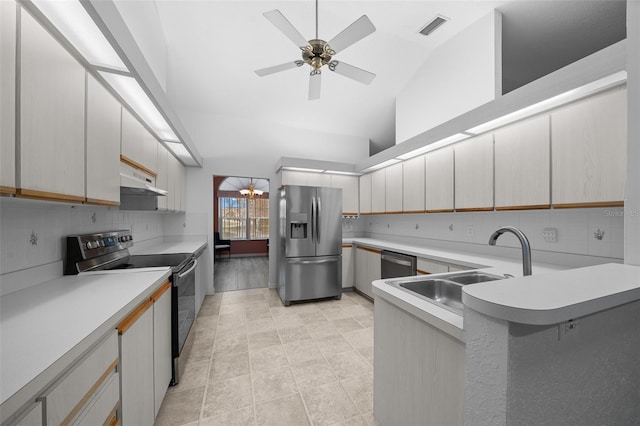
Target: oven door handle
188, 271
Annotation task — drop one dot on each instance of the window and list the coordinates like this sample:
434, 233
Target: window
243, 218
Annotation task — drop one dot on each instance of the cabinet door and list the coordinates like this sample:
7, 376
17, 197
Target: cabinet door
364, 182
413, 185
474, 174
349, 186
347, 266
427, 266
162, 180
181, 191
150, 145
103, 145
318, 179
522, 164
439, 180
51, 157
136, 367
374, 269
8, 97
33, 417
393, 188
291, 177
132, 143
361, 269
378, 191
172, 186
161, 343
589, 142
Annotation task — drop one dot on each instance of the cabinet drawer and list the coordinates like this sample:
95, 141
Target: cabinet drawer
33, 416
103, 405
71, 393
425, 266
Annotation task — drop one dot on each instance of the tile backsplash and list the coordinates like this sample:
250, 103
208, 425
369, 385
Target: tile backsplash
587, 232
32, 232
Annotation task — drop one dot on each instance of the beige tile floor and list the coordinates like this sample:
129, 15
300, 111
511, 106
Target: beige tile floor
257, 362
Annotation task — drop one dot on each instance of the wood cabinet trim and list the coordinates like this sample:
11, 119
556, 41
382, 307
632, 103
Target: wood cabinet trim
99, 202
90, 393
136, 165
112, 418
475, 209
369, 249
395, 212
530, 207
589, 205
50, 196
414, 211
347, 245
349, 213
7, 190
440, 211
166, 286
421, 272
133, 317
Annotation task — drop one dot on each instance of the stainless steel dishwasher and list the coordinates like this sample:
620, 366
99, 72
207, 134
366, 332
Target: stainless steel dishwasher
397, 264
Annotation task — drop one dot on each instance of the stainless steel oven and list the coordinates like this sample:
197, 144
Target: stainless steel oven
109, 251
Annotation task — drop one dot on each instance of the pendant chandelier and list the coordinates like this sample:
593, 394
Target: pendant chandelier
251, 192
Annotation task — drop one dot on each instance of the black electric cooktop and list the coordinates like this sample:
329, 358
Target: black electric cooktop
173, 260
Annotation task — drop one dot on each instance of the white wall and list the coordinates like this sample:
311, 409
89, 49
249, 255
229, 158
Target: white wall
575, 232
454, 79
239, 147
50, 223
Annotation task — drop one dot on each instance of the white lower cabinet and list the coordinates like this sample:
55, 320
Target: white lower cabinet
161, 344
136, 367
347, 266
367, 269
70, 399
427, 266
419, 371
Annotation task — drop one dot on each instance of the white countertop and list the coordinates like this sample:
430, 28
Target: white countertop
558, 297
44, 328
170, 245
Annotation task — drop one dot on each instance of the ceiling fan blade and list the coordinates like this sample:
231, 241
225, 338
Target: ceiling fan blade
354, 73
283, 24
355, 32
277, 68
314, 85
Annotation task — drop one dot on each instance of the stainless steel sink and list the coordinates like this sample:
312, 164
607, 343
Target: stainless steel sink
474, 278
445, 290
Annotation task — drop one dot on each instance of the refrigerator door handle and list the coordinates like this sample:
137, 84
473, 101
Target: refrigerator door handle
313, 218
318, 213
312, 262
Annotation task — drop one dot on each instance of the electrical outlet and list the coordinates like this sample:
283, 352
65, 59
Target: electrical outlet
566, 329
550, 235
470, 231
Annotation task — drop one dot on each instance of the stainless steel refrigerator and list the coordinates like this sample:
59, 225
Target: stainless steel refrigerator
310, 243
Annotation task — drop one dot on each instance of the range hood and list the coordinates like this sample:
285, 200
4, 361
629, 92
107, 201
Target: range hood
137, 182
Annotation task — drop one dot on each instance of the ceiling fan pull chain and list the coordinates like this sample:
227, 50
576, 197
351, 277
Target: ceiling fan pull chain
316, 19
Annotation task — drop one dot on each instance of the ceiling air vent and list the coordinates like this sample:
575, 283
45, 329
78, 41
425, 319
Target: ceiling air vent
433, 25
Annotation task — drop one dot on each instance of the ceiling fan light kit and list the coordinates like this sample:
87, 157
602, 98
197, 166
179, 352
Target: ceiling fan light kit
317, 53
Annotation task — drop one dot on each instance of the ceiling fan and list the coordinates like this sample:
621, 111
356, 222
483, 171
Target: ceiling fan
318, 53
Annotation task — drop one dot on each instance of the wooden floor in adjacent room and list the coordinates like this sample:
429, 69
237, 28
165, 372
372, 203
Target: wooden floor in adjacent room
241, 273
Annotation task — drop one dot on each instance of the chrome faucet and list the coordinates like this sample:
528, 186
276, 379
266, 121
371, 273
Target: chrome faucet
524, 242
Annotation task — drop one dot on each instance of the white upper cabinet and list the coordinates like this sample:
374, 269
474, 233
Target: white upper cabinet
365, 193
349, 186
439, 180
413, 188
103, 145
139, 147
522, 164
589, 142
51, 160
378, 191
474, 173
162, 180
293, 177
393, 188
319, 179
7, 97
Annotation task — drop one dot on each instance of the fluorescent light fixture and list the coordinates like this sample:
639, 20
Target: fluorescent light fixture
302, 169
75, 24
181, 152
556, 101
132, 93
338, 172
433, 146
382, 165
